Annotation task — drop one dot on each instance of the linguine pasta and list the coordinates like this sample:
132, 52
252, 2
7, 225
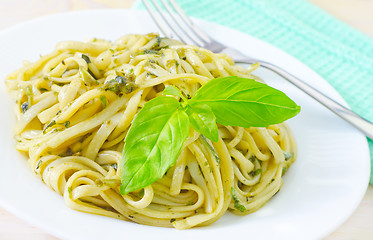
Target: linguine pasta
75, 106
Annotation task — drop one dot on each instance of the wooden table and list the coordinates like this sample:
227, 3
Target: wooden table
357, 13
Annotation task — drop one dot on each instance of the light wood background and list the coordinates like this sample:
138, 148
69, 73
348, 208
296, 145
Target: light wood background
357, 13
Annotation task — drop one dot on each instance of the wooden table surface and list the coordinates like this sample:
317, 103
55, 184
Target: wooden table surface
357, 13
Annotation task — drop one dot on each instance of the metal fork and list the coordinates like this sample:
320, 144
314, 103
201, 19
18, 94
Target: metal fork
174, 19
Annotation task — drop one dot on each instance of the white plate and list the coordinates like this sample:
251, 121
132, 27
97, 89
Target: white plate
320, 191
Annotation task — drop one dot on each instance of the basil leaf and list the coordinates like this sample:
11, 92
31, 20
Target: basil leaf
203, 120
171, 90
153, 143
244, 102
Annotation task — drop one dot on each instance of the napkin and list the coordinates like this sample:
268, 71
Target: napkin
340, 54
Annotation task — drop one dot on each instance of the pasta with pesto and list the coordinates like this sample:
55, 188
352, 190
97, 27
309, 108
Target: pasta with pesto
75, 105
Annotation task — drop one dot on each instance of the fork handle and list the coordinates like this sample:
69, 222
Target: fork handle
355, 120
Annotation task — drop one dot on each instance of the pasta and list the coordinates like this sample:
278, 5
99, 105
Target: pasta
72, 119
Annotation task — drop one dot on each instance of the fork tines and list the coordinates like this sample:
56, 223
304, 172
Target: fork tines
174, 20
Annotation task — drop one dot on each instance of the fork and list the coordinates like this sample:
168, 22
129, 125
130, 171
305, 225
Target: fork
174, 19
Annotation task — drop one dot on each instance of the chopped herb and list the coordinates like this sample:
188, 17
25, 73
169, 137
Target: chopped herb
86, 58
115, 166
148, 51
111, 50
111, 182
151, 74
52, 123
119, 85
63, 62
99, 183
87, 78
284, 169
43, 90
103, 101
256, 172
130, 216
172, 220
67, 124
68, 152
287, 155
172, 62
237, 204
28, 91
38, 164
151, 60
24, 107
131, 71
159, 40
70, 190
211, 148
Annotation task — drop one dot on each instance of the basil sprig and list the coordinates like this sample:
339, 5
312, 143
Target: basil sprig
161, 127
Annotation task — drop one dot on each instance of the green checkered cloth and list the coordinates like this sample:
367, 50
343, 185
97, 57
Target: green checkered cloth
337, 52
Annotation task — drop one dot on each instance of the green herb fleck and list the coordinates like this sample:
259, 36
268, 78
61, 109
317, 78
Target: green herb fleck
211, 148
151, 74
256, 172
38, 164
113, 183
287, 155
86, 58
28, 91
237, 204
115, 166
119, 85
99, 183
43, 90
24, 107
103, 101
148, 51
87, 78
52, 123
70, 190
